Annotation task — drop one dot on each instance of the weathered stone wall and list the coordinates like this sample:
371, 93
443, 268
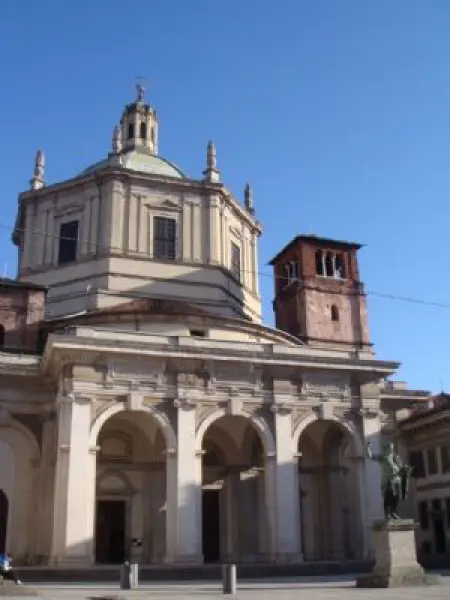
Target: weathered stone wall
21, 311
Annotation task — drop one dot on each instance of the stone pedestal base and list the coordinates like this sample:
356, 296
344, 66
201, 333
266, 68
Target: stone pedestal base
396, 559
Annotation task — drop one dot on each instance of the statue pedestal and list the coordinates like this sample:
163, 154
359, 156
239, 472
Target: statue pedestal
396, 559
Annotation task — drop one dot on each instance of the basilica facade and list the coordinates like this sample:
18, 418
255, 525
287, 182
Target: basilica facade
142, 397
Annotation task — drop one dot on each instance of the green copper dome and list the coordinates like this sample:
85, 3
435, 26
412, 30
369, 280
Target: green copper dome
138, 161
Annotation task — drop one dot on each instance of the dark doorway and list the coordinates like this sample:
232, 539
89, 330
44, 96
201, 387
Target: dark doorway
439, 535
110, 532
4, 509
211, 526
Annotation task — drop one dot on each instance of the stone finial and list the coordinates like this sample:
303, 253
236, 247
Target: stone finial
248, 199
117, 140
211, 173
37, 182
211, 161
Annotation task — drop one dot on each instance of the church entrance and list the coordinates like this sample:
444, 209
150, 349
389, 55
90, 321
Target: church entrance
110, 533
4, 509
233, 511
211, 526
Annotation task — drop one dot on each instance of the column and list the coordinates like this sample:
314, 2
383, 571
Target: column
287, 518
183, 489
73, 520
44, 522
362, 526
270, 504
372, 480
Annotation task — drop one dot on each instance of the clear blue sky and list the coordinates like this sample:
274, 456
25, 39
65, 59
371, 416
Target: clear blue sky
338, 112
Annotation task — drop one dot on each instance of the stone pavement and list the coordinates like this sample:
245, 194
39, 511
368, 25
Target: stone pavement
305, 588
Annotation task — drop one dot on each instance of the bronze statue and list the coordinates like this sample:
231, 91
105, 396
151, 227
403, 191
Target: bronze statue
395, 475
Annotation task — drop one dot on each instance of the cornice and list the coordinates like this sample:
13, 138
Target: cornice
75, 348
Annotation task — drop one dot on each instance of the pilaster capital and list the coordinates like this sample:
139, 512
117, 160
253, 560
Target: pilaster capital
370, 413
184, 403
170, 452
281, 408
75, 398
94, 450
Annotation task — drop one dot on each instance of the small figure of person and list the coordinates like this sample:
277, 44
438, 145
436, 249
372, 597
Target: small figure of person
6, 571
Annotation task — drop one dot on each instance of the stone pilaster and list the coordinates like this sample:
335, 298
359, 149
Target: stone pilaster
184, 473
74, 499
214, 230
287, 513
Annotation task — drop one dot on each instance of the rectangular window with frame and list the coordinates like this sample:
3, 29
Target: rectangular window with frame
235, 266
68, 242
432, 466
164, 238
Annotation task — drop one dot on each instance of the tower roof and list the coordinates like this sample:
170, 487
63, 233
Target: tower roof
315, 240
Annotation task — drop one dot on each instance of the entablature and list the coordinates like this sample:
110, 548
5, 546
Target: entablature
81, 344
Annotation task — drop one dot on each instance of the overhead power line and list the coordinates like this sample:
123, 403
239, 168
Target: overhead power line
271, 275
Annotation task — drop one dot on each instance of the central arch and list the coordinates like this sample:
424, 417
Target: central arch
130, 490
234, 449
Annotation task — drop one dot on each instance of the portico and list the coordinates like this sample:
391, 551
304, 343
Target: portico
200, 467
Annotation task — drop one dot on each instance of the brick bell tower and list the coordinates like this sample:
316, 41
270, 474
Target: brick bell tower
318, 295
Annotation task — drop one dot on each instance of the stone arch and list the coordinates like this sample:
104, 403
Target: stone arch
346, 425
259, 423
222, 440
160, 417
12, 424
331, 519
24, 453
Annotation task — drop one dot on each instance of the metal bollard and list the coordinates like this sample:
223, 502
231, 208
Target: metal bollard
125, 576
134, 575
229, 579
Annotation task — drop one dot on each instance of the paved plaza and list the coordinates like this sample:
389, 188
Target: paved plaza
307, 588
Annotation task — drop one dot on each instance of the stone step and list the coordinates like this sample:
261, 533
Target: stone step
190, 573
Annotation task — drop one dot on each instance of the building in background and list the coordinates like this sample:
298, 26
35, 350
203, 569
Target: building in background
160, 407
425, 434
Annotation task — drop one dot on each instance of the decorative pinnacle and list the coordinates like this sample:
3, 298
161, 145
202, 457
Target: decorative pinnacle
117, 140
38, 177
211, 162
211, 173
248, 199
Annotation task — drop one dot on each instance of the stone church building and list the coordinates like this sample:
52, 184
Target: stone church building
142, 397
